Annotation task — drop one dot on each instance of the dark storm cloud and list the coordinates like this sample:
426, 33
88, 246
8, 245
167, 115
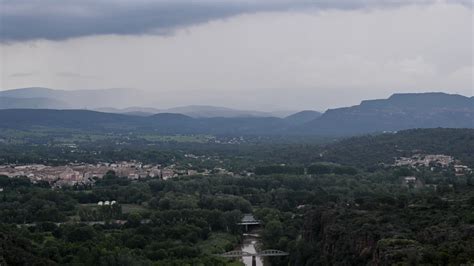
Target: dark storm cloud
22, 20
60, 20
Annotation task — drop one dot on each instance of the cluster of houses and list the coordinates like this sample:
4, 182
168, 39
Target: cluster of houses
425, 160
433, 161
73, 174
84, 174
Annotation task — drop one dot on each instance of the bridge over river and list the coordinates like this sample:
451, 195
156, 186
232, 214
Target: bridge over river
249, 220
263, 253
249, 245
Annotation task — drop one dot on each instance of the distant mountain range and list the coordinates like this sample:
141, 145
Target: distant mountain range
119, 99
34, 103
196, 111
163, 123
303, 117
400, 111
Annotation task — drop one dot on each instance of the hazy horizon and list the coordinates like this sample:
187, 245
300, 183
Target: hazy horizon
134, 102
259, 55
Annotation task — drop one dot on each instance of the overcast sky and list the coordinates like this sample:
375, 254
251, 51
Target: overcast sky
263, 54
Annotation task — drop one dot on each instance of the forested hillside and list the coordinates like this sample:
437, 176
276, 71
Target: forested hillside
398, 112
371, 150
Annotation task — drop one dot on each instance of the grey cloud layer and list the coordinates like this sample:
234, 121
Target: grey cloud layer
22, 20
61, 21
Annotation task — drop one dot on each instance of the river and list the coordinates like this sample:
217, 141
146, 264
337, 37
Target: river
249, 244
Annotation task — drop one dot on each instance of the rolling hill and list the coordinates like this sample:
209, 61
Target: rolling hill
371, 150
121, 101
36, 103
163, 123
400, 111
196, 111
303, 117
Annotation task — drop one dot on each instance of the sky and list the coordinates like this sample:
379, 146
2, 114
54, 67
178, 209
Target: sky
260, 54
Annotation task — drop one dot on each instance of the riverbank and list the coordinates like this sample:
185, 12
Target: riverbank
250, 244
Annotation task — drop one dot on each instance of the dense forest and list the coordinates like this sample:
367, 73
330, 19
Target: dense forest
324, 204
325, 219
368, 151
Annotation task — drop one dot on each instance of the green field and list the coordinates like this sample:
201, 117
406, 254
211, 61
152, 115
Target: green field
60, 135
175, 138
126, 208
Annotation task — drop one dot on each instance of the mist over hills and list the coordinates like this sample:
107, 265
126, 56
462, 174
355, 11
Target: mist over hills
303, 117
34, 103
77, 99
200, 111
398, 112
121, 101
196, 111
163, 123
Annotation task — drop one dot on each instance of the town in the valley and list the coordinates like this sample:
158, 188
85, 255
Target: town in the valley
86, 174
433, 161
